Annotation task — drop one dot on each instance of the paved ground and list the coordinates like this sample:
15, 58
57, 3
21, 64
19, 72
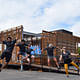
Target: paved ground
34, 75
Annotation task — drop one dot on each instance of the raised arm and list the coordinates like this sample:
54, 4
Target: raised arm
60, 58
17, 35
4, 42
18, 44
73, 54
14, 41
58, 48
43, 50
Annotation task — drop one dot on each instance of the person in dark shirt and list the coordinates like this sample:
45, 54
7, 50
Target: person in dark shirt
67, 60
50, 52
22, 48
7, 53
28, 51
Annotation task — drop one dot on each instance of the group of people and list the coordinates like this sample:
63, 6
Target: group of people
65, 56
25, 51
26, 48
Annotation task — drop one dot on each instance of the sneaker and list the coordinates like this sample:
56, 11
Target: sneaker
0, 57
78, 71
0, 70
67, 76
58, 68
18, 61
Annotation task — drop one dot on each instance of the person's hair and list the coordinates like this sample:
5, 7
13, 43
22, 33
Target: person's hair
63, 48
9, 38
22, 40
50, 45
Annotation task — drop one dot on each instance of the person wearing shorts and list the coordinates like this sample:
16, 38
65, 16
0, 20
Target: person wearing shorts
28, 51
50, 50
22, 49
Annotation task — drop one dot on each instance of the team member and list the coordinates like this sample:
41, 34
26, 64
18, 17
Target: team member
50, 51
7, 54
67, 60
28, 51
22, 49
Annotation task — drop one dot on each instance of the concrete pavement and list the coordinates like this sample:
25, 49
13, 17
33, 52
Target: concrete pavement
34, 75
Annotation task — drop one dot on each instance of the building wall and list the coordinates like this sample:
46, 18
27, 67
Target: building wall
56, 38
66, 40
60, 39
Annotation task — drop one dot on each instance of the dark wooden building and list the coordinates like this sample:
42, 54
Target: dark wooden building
58, 38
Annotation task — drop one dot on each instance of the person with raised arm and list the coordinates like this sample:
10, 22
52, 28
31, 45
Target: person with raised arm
65, 55
50, 52
7, 53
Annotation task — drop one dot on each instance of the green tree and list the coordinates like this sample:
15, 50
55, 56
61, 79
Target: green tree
79, 50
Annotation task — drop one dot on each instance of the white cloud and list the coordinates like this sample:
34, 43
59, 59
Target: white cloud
76, 29
36, 15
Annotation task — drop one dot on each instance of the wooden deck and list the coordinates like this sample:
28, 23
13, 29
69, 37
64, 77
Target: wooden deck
42, 68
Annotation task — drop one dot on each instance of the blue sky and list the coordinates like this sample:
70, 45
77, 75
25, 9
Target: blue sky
38, 15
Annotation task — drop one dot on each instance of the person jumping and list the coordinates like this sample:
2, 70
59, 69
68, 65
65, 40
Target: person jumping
50, 51
22, 49
67, 60
7, 53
